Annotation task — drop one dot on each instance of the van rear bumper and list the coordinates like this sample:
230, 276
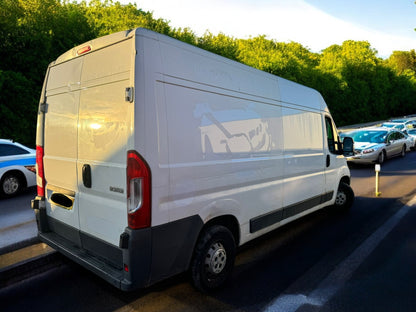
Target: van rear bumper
133, 268
144, 257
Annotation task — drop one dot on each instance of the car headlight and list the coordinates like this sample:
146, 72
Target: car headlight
368, 151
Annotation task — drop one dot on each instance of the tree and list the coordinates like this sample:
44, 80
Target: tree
16, 108
219, 44
363, 82
288, 60
402, 61
106, 17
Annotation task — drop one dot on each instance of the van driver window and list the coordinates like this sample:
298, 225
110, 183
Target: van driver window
332, 136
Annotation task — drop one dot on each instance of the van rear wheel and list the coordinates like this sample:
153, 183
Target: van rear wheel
345, 197
213, 258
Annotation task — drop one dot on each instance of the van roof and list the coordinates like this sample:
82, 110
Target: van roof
288, 89
94, 44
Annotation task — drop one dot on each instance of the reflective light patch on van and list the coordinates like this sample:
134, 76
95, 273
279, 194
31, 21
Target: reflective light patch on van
18, 162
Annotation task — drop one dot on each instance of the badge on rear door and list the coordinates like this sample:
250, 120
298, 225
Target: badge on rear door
116, 189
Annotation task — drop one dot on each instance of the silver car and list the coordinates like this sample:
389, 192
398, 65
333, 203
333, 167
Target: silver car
412, 134
375, 145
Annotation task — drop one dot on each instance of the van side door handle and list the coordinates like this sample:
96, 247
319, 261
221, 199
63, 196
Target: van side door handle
328, 161
86, 176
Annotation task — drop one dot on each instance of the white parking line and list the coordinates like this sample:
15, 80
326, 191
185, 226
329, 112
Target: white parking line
290, 302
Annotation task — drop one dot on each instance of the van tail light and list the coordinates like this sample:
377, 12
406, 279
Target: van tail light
138, 191
40, 176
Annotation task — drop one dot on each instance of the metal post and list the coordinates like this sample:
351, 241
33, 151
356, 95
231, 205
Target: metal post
377, 169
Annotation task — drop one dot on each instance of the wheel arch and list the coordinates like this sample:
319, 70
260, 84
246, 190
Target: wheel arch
345, 179
18, 173
228, 221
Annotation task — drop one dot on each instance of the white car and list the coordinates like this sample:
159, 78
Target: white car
375, 145
17, 167
410, 123
394, 125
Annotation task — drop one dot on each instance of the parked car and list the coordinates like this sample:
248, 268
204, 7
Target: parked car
17, 167
394, 125
375, 145
412, 134
410, 123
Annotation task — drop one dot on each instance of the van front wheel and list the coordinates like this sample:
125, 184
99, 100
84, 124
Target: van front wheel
345, 197
213, 258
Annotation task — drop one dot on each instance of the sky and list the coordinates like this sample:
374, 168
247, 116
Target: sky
316, 24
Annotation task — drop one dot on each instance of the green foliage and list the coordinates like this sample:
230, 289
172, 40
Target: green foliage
185, 35
402, 61
219, 44
356, 84
106, 17
17, 108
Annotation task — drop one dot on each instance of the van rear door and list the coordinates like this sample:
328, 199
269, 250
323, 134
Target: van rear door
61, 142
104, 137
88, 131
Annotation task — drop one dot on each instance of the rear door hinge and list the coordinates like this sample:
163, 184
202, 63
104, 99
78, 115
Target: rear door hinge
129, 95
43, 107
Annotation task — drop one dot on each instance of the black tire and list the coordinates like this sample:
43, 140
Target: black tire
10, 185
403, 152
344, 198
381, 157
213, 258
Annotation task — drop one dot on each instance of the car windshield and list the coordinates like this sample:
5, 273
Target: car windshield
370, 136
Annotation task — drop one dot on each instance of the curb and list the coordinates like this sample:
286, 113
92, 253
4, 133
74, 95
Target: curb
19, 245
28, 268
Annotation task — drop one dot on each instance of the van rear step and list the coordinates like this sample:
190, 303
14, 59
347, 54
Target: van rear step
82, 257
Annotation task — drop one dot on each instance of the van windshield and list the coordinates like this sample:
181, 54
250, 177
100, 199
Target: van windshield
370, 136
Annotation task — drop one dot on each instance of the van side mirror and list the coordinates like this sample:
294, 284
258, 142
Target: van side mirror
348, 146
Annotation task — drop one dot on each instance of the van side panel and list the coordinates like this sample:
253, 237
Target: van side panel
229, 150
304, 168
227, 157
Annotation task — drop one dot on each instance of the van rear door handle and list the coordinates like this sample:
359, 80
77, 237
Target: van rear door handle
86, 176
328, 160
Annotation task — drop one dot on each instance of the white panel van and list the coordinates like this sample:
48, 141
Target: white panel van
155, 157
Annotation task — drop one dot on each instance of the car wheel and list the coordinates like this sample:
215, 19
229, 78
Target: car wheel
403, 153
381, 157
345, 197
213, 258
10, 185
